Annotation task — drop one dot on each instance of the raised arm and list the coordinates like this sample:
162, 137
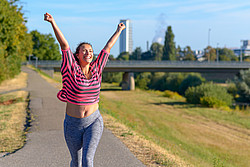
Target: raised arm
114, 37
59, 35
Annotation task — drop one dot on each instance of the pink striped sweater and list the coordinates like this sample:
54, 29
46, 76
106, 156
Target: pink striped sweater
77, 89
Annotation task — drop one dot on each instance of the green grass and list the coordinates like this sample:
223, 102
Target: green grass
201, 136
12, 121
13, 113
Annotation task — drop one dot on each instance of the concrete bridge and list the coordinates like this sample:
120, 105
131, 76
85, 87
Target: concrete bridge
222, 69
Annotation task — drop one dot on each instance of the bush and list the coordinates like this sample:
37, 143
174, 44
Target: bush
143, 80
172, 95
111, 77
232, 89
169, 81
209, 101
193, 79
209, 94
243, 85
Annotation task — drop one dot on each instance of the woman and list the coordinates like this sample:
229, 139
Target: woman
81, 78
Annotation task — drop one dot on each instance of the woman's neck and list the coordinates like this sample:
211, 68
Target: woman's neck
86, 71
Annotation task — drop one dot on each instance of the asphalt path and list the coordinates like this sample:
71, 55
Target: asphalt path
46, 147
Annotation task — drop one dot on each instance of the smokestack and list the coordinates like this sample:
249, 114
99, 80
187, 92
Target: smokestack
147, 46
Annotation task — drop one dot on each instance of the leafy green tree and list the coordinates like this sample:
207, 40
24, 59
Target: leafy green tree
243, 85
247, 59
178, 53
123, 56
45, 46
111, 77
189, 54
111, 57
143, 80
15, 42
210, 54
226, 54
193, 79
136, 54
147, 56
157, 51
223, 57
169, 45
166, 81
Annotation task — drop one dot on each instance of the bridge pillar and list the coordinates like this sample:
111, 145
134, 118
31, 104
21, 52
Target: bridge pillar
128, 81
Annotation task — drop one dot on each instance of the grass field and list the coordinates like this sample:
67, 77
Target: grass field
199, 136
13, 113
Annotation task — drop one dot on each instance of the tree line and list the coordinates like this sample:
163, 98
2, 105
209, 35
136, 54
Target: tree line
169, 51
17, 44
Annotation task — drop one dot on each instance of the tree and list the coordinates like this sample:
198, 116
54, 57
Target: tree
169, 45
178, 53
210, 53
193, 79
226, 54
15, 42
111, 57
243, 85
136, 54
45, 46
188, 54
223, 57
123, 56
143, 80
146, 55
156, 51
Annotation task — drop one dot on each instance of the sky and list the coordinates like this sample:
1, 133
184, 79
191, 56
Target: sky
195, 23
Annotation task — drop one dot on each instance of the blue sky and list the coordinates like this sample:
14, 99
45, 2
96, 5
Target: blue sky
95, 21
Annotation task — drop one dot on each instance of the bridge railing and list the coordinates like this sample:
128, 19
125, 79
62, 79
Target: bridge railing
141, 62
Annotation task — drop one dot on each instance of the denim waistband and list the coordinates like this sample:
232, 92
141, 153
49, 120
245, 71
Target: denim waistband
85, 122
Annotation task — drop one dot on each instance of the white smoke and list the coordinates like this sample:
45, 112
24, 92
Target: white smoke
161, 28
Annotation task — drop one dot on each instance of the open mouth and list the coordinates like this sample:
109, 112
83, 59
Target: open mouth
88, 57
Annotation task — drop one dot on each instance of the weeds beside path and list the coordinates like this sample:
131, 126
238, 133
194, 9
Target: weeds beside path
13, 113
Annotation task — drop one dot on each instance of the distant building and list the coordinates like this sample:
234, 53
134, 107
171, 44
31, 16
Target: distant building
199, 54
244, 50
126, 42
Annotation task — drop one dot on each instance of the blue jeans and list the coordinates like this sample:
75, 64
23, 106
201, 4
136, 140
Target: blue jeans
82, 136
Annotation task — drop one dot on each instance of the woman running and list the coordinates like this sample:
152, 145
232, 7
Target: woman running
81, 79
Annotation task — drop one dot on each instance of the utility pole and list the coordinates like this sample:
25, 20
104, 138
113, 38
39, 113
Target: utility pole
241, 48
147, 46
217, 55
209, 36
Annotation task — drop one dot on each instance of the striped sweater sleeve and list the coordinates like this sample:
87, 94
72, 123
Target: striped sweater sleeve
101, 60
68, 60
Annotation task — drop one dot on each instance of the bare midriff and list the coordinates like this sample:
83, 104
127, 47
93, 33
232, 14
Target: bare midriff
81, 111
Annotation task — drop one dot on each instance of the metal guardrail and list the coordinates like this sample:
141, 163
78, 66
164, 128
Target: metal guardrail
161, 66
114, 63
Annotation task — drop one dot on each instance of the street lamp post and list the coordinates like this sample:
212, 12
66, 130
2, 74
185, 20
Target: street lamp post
241, 48
36, 60
209, 36
217, 55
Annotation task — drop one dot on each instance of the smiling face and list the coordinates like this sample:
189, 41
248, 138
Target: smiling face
85, 54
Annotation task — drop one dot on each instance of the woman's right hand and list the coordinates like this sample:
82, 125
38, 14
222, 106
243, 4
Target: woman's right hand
48, 17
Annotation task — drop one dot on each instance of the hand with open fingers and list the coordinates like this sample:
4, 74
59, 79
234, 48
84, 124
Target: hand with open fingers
48, 17
121, 26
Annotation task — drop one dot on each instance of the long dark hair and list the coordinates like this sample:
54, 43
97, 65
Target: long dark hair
78, 48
